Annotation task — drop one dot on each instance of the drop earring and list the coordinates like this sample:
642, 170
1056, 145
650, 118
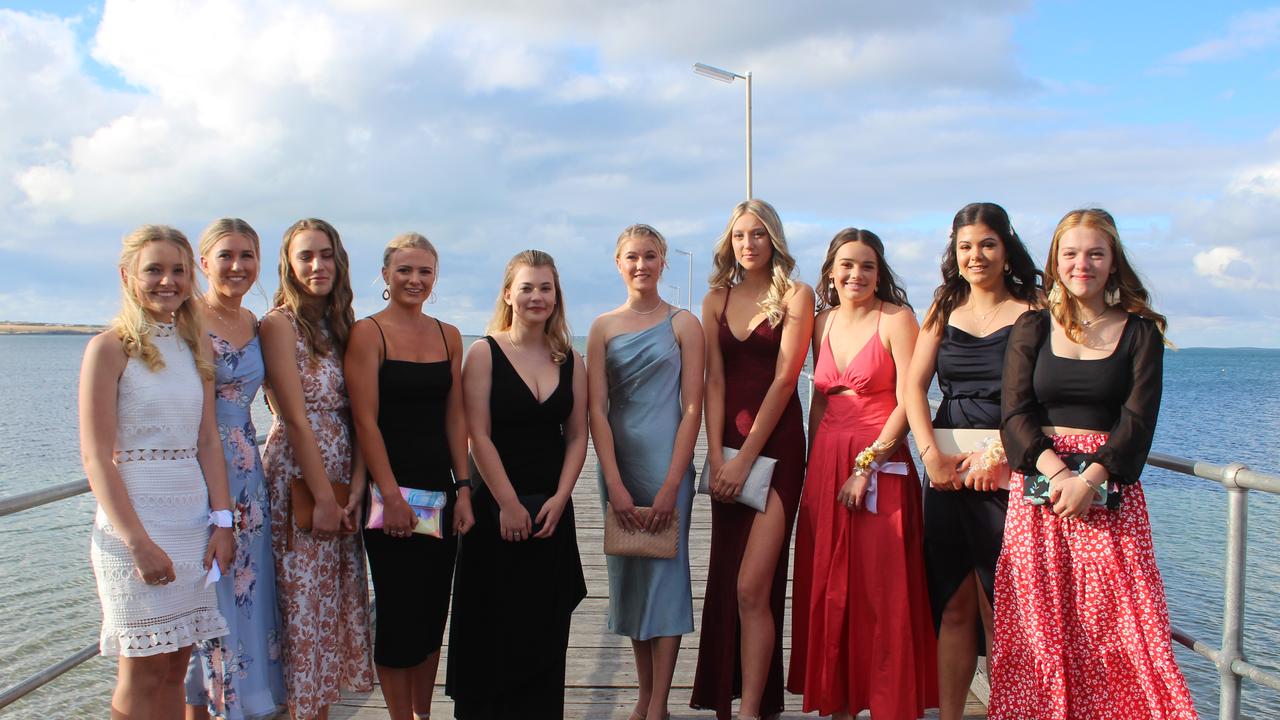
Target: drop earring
386, 293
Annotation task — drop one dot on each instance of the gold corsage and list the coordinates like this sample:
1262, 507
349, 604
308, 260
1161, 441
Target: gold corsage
864, 460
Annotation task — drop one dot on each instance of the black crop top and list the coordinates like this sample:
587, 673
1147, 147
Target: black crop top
1119, 394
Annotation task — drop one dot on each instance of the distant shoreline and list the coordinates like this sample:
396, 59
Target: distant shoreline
35, 328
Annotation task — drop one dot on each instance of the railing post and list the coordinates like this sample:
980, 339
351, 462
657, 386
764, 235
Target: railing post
1233, 600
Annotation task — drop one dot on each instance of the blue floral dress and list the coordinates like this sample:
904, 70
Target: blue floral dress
240, 676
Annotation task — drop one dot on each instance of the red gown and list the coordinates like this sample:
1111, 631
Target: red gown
862, 634
749, 367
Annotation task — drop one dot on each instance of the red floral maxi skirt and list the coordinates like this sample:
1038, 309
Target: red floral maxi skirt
1081, 625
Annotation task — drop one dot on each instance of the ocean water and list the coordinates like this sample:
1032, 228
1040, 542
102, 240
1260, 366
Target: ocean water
1219, 405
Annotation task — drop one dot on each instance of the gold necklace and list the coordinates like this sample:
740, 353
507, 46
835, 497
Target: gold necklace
987, 318
1096, 318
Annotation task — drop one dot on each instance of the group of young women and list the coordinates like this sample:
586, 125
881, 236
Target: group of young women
894, 589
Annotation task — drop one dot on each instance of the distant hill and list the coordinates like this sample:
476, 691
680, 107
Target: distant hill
34, 328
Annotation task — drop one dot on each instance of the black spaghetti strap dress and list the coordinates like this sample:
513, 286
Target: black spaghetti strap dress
412, 576
513, 600
963, 528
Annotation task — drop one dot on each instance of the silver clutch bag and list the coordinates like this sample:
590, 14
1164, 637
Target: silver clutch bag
755, 491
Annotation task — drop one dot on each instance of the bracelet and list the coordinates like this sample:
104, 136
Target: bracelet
925, 452
220, 518
1064, 469
462, 483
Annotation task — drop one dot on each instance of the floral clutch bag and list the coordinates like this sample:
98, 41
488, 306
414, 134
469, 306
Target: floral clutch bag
1035, 488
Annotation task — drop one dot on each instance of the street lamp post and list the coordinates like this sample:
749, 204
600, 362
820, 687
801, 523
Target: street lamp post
689, 303
677, 289
725, 76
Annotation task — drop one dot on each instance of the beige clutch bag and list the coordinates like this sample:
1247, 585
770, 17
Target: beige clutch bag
638, 543
952, 441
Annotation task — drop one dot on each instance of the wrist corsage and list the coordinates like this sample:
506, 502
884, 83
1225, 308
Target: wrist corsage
991, 454
864, 460
865, 463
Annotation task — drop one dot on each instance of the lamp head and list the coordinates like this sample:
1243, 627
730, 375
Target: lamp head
715, 73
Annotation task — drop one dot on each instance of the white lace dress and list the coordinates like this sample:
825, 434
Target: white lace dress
158, 423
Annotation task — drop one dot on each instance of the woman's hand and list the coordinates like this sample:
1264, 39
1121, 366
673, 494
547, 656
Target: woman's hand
222, 548
351, 511
327, 517
944, 470
1071, 495
664, 509
982, 477
550, 514
854, 491
726, 485
152, 563
513, 521
624, 508
463, 517
397, 517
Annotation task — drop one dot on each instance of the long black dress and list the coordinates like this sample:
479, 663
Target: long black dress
963, 528
513, 600
411, 576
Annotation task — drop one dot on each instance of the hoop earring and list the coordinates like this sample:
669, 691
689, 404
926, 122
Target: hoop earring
432, 297
386, 293
1007, 270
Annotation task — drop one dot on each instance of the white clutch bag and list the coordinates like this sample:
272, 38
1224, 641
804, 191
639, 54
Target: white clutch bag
952, 441
755, 491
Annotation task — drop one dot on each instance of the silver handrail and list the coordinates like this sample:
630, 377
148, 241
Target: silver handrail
1237, 478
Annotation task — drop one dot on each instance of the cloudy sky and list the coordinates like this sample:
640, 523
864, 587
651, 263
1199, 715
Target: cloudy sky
495, 126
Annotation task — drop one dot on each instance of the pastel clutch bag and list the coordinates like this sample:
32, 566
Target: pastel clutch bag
953, 441
427, 505
755, 491
640, 543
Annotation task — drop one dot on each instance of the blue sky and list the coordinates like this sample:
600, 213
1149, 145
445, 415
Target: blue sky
500, 125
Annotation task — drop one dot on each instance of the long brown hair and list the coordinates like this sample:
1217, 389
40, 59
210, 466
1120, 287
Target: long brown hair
557, 326
1023, 280
888, 284
1124, 288
335, 308
725, 271
134, 327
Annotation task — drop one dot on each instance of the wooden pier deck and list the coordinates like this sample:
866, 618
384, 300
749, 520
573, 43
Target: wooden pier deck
600, 678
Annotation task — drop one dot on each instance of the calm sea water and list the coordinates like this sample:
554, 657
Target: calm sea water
1219, 405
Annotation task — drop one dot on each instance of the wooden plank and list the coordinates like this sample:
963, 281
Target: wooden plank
600, 677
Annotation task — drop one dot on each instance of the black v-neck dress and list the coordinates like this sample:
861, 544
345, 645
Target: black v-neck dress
512, 601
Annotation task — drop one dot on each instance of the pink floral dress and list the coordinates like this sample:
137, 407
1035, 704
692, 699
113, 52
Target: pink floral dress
321, 585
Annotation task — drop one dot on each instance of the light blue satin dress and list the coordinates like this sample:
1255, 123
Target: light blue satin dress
648, 598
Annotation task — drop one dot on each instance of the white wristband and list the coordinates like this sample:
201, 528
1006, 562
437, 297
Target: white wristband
220, 518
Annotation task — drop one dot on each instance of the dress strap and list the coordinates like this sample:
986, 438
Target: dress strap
724, 309
879, 314
382, 335
443, 339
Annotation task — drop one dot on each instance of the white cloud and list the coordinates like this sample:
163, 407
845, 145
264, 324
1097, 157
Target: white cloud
1247, 32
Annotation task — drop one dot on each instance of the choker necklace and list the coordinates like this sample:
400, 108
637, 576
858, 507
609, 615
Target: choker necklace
645, 312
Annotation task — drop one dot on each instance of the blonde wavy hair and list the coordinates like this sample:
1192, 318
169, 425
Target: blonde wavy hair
134, 326
641, 230
223, 227
336, 308
726, 272
557, 326
1124, 288
407, 241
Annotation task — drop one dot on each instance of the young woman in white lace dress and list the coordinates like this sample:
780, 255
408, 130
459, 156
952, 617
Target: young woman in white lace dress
151, 451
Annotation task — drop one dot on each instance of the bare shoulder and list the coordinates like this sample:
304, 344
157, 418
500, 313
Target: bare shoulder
601, 326
106, 349
799, 291
276, 323
899, 316
714, 300
685, 321
452, 335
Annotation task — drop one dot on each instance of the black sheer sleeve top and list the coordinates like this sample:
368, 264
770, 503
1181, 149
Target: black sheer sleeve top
1118, 394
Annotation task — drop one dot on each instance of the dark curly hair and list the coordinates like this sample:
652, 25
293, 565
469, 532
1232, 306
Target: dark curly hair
888, 284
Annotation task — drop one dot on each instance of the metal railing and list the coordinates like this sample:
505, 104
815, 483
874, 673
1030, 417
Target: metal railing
1238, 480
